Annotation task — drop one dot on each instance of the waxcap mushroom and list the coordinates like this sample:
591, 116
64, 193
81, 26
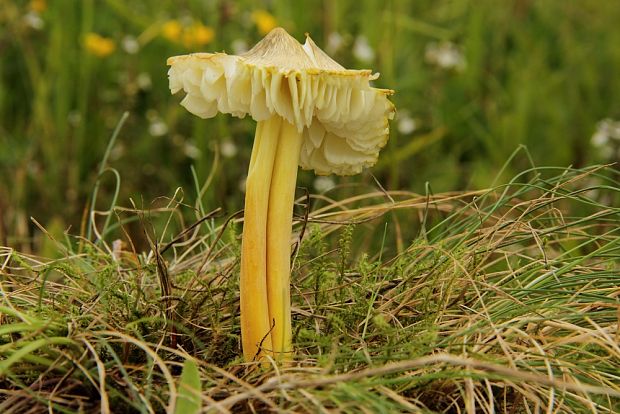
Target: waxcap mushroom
310, 111
344, 120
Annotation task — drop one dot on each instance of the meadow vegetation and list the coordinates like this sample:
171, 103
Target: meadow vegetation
473, 80
475, 268
505, 301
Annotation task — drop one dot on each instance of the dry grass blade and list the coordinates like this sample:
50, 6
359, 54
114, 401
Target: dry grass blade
504, 300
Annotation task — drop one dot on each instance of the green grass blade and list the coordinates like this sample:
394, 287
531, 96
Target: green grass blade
190, 388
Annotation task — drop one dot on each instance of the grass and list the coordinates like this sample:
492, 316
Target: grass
497, 300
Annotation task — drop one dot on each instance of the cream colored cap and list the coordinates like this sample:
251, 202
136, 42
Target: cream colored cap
343, 119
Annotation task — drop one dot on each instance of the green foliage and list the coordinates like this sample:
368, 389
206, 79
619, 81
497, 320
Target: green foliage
344, 248
539, 73
508, 302
190, 389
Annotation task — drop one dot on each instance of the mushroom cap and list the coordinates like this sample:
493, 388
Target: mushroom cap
344, 121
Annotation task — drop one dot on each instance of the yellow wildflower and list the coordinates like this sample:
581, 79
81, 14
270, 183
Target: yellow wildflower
203, 34
37, 6
197, 35
265, 22
98, 45
194, 35
171, 30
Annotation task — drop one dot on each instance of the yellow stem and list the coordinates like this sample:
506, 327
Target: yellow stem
279, 228
255, 321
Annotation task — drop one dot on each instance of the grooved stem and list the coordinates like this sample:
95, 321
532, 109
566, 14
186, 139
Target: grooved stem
266, 248
255, 324
279, 229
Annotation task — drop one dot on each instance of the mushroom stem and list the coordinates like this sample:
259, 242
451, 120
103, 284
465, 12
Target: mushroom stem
279, 229
255, 322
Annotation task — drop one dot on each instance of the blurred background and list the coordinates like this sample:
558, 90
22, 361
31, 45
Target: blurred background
474, 80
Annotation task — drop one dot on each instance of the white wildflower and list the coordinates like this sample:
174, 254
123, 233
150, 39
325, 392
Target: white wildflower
157, 128
335, 42
117, 152
228, 149
406, 124
606, 138
599, 139
33, 20
117, 248
130, 44
144, 81
191, 151
323, 184
606, 130
362, 50
445, 55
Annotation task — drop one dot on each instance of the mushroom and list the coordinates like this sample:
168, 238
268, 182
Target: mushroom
311, 112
